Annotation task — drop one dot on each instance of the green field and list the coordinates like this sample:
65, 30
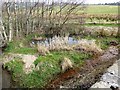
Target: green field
90, 9
102, 9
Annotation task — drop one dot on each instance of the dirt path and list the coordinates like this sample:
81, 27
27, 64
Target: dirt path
85, 76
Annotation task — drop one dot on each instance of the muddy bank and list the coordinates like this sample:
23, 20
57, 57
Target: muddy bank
86, 75
5, 78
0, 51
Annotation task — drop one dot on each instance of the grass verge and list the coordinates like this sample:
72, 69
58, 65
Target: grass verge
50, 66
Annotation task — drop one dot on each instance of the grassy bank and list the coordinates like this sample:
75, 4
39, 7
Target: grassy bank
50, 66
14, 47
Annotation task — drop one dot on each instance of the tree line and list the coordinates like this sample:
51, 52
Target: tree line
19, 19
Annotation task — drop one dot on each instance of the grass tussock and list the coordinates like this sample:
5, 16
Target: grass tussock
89, 46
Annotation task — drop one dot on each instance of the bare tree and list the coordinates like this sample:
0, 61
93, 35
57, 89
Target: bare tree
24, 18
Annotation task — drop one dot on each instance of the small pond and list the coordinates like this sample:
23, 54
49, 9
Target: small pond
46, 42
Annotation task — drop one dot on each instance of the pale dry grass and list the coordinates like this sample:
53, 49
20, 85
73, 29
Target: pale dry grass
88, 45
42, 50
101, 30
66, 64
61, 43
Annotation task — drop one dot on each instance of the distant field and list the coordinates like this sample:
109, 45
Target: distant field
102, 9
90, 9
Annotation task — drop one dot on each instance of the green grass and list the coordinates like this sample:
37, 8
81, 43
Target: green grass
90, 9
16, 68
94, 9
50, 64
13, 47
31, 36
102, 9
49, 68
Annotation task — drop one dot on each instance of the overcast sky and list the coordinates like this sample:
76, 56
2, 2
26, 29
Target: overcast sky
86, 1
101, 1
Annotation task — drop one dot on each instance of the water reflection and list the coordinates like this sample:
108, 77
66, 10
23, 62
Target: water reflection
47, 41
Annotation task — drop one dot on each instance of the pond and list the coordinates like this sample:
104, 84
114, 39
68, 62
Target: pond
47, 41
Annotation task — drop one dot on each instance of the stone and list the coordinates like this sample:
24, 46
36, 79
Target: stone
110, 79
28, 63
101, 84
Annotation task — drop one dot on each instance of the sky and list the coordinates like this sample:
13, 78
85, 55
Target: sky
86, 1
101, 1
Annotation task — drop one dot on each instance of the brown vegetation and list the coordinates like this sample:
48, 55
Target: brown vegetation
42, 50
66, 64
89, 46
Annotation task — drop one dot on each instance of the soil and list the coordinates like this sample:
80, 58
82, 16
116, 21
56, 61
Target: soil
86, 75
82, 77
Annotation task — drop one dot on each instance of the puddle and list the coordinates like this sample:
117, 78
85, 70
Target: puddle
46, 42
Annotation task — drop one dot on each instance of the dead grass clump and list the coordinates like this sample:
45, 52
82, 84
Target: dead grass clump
42, 50
104, 31
66, 64
59, 43
89, 46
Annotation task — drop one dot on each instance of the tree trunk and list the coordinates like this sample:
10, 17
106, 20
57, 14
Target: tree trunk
2, 29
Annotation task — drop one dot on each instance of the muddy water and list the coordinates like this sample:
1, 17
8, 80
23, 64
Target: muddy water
6, 78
